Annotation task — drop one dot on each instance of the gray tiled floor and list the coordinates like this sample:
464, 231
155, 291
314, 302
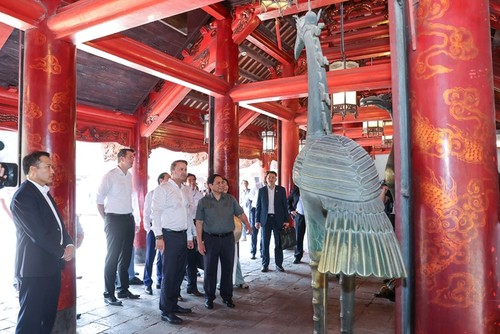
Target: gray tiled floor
275, 302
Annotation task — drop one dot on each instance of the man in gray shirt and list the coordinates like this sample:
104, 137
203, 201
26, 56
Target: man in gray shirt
214, 232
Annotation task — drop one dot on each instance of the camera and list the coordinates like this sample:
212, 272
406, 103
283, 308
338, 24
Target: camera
8, 172
9, 178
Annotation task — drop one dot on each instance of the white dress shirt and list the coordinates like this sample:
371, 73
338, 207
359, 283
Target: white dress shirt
115, 192
270, 195
171, 209
147, 212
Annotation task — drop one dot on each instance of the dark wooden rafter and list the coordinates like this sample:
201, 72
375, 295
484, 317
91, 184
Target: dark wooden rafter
249, 76
256, 56
268, 46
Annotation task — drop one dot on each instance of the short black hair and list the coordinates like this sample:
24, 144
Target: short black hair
33, 159
212, 177
271, 172
123, 152
161, 177
189, 174
172, 166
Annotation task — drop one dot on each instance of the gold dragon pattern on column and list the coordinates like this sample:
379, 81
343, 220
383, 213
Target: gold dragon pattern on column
455, 42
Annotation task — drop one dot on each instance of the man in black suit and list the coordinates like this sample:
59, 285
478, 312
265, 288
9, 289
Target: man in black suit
296, 209
272, 215
43, 244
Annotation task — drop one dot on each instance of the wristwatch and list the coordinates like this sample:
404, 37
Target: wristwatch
159, 237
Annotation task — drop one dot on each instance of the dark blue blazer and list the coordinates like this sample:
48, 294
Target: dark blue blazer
280, 206
39, 251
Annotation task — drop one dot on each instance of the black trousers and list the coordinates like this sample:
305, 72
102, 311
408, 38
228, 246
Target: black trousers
300, 231
120, 231
38, 298
255, 233
174, 266
192, 268
271, 227
218, 248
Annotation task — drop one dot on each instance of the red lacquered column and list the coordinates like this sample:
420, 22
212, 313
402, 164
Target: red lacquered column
140, 188
48, 123
454, 169
289, 138
226, 135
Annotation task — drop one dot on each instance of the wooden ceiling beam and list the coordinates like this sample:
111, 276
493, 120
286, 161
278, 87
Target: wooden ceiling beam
371, 49
131, 53
217, 11
21, 14
363, 78
87, 20
245, 118
358, 35
271, 109
5, 31
302, 7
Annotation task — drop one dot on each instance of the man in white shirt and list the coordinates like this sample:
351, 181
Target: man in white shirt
114, 203
255, 232
171, 222
151, 252
193, 255
245, 203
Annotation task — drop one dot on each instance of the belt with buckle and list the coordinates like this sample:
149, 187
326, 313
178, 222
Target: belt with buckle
219, 235
169, 230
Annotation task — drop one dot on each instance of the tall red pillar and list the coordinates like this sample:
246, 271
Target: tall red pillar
454, 170
48, 115
226, 135
141, 188
289, 138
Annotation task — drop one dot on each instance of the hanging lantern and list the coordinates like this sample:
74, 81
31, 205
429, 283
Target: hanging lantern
206, 128
344, 103
268, 138
281, 5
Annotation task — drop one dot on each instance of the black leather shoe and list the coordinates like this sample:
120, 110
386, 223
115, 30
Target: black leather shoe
179, 309
179, 298
228, 302
135, 281
280, 268
296, 261
158, 286
127, 294
194, 293
253, 257
148, 290
209, 304
264, 269
171, 318
112, 301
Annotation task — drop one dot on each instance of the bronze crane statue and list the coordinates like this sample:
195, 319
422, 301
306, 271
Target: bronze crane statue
348, 232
